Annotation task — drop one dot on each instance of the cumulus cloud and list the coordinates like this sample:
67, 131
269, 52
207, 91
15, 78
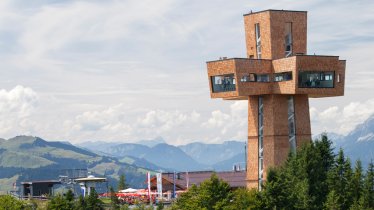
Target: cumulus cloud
341, 120
110, 120
127, 70
231, 125
175, 126
16, 106
114, 123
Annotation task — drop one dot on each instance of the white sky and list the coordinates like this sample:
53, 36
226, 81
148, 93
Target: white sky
130, 70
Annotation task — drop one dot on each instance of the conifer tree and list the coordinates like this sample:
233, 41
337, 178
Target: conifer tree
69, 195
325, 156
367, 198
332, 201
357, 182
276, 189
114, 199
93, 202
122, 182
339, 179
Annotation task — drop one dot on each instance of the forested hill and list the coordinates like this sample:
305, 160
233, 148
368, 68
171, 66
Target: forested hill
25, 158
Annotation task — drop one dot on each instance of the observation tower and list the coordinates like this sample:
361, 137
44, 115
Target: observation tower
277, 78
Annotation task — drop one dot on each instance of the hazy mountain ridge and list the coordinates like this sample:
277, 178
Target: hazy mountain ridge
359, 143
210, 154
193, 156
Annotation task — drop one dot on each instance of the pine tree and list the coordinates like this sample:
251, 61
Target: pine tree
325, 157
122, 182
80, 204
114, 199
357, 182
332, 201
69, 195
367, 198
277, 189
339, 179
93, 202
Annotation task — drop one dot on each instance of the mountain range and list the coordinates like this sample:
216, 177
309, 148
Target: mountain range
190, 157
25, 158
359, 143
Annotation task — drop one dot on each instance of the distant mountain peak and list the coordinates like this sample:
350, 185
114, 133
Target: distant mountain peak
152, 142
367, 137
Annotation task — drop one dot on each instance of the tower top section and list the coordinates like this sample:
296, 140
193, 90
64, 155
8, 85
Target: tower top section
275, 34
277, 61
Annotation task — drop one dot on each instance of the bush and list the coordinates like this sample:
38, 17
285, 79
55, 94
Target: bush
9, 202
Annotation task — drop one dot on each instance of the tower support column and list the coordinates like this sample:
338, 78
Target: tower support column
277, 124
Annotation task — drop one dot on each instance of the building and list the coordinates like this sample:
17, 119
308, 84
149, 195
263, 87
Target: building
184, 180
89, 183
277, 79
38, 189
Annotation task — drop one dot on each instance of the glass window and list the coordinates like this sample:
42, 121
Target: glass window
288, 40
291, 124
223, 83
263, 78
284, 76
313, 79
260, 140
248, 78
258, 40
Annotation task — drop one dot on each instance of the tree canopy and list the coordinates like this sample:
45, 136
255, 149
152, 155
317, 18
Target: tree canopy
312, 178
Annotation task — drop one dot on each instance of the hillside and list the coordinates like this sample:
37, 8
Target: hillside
32, 158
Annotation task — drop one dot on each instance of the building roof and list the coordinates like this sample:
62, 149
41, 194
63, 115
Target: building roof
91, 179
273, 10
234, 178
42, 182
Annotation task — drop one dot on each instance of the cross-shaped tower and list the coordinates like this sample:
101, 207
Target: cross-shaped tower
277, 78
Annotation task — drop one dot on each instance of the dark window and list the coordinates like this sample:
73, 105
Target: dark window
288, 40
263, 78
223, 83
248, 78
313, 79
258, 40
284, 76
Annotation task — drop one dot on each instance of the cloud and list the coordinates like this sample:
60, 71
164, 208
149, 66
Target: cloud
128, 70
16, 106
176, 127
231, 125
341, 120
111, 120
112, 123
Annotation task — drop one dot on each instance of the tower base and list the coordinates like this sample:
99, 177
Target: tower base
277, 125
